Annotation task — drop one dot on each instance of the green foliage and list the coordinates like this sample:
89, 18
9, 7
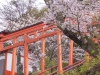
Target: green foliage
34, 73
87, 2
88, 68
21, 73
97, 73
64, 64
46, 73
40, 13
36, 12
60, 17
49, 63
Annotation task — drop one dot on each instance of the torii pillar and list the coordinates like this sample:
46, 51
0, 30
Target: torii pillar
71, 53
59, 53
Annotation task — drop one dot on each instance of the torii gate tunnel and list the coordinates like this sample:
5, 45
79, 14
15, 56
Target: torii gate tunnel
33, 30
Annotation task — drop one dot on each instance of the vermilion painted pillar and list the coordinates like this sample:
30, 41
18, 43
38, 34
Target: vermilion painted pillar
13, 59
43, 56
5, 63
1, 44
71, 53
59, 53
25, 56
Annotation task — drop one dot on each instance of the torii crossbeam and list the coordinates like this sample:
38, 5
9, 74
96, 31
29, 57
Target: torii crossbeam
33, 30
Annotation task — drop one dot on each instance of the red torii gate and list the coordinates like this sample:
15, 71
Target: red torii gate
33, 30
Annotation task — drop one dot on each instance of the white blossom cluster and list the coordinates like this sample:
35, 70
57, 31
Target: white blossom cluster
77, 14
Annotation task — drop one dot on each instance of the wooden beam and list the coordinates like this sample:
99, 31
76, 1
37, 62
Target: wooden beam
22, 32
40, 37
11, 46
28, 41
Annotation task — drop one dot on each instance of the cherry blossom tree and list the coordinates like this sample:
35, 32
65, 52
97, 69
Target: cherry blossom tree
74, 18
17, 14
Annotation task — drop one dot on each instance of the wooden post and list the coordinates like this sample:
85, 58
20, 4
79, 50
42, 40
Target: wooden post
25, 55
1, 44
71, 53
43, 55
13, 59
59, 53
5, 64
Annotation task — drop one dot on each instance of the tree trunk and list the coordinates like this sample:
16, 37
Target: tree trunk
90, 46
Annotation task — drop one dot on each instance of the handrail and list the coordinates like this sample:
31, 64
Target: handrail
52, 73
67, 68
47, 70
73, 66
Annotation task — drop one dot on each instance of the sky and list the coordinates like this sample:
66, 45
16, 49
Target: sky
39, 4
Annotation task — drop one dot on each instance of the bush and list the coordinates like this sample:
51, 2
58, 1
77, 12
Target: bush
88, 68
